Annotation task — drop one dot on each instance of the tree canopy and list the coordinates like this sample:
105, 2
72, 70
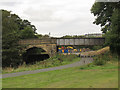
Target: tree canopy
108, 17
14, 29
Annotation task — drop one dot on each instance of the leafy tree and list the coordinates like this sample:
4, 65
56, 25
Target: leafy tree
39, 36
25, 23
27, 32
14, 29
108, 16
9, 39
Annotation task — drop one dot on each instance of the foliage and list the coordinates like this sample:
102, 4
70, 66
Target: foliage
96, 47
99, 61
27, 32
108, 16
113, 35
13, 29
40, 36
104, 58
74, 36
9, 39
51, 62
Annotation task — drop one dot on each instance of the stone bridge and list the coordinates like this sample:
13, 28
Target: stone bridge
50, 44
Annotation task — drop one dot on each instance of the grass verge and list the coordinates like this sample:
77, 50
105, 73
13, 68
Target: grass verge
57, 60
105, 76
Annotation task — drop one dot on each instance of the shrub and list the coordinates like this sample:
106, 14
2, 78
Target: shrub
99, 61
96, 47
103, 58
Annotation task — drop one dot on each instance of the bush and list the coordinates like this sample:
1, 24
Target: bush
96, 47
57, 60
62, 58
103, 58
99, 62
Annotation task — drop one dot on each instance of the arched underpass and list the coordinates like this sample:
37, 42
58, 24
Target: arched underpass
34, 54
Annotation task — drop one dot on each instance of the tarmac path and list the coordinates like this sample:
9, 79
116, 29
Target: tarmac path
83, 61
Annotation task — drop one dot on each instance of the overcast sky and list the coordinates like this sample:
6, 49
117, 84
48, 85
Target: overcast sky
59, 17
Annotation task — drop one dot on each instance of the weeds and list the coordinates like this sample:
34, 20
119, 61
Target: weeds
104, 58
57, 60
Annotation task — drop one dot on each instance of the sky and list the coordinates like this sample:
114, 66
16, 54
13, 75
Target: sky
57, 17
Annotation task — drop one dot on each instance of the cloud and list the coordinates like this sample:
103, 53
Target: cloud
59, 17
40, 15
54, 10
10, 3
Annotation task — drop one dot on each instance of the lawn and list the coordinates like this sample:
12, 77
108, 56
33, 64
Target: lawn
89, 76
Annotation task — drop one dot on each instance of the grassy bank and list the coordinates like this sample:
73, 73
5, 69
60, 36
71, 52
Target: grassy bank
97, 52
105, 76
105, 58
57, 60
93, 75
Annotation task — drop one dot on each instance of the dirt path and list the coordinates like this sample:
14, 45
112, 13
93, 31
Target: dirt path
83, 61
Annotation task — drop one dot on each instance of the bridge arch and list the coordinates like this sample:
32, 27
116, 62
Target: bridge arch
34, 54
49, 49
36, 46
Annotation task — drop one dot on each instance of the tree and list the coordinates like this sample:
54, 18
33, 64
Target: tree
14, 29
27, 32
10, 48
108, 16
25, 23
39, 36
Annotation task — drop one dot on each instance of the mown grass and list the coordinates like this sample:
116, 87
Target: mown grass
57, 60
105, 76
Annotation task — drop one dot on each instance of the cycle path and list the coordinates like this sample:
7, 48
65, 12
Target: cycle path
83, 61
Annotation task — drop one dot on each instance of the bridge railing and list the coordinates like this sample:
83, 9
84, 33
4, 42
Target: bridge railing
81, 41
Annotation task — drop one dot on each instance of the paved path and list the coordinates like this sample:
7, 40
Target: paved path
83, 61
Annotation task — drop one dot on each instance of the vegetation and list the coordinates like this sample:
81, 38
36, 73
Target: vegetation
14, 29
96, 52
96, 47
40, 36
74, 36
80, 36
51, 62
89, 76
103, 71
104, 58
108, 16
